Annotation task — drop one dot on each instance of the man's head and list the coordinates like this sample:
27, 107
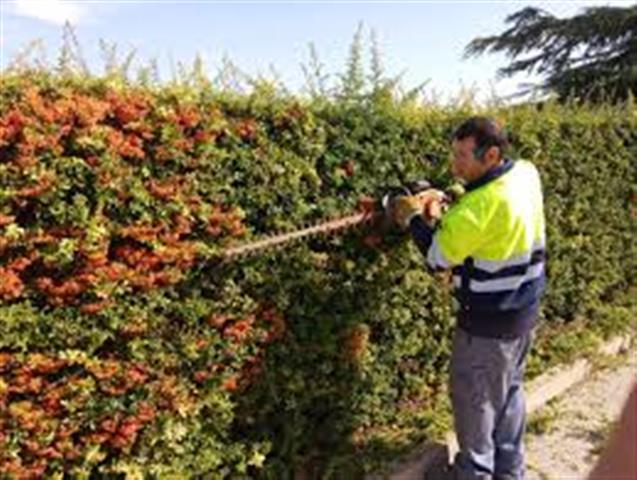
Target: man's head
478, 145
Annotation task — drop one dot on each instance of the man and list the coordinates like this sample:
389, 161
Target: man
493, 240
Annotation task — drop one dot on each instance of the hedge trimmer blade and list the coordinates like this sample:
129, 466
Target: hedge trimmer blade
369, 211
330, 226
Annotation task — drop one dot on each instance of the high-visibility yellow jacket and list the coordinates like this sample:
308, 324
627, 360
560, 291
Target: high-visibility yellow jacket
493, 239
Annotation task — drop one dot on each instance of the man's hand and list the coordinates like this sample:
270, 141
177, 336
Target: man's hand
428, 203
432, 201
405, 208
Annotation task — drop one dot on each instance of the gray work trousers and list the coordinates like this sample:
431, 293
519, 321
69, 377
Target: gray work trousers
488, 406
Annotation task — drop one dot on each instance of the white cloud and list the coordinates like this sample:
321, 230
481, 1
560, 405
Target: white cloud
52, 11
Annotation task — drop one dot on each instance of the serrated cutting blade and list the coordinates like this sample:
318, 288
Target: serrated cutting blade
330, 226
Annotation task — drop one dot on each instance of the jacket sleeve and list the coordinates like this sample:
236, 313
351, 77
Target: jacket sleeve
421, 233
462, 231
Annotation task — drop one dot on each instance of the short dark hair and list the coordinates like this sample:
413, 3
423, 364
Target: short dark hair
486, 132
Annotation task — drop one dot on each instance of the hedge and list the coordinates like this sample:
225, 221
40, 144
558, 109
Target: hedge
129, 348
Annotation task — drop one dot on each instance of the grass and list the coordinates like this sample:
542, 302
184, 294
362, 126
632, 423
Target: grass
543, 420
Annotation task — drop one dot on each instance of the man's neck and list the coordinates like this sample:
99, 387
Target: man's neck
494, 171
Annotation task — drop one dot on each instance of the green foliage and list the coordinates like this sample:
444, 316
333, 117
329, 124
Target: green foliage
590, 56
143, 355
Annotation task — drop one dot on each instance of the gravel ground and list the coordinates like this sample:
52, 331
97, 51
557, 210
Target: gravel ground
566, 436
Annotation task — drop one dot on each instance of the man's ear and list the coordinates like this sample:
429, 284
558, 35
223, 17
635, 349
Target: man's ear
492, 155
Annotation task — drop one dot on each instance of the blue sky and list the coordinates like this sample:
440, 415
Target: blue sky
425, 40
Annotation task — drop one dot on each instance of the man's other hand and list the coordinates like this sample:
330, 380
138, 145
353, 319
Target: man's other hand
405, 208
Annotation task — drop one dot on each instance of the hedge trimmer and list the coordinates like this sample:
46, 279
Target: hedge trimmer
369, 213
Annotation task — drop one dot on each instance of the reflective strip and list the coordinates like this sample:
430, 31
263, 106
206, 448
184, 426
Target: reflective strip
482, 275
507, 283
435, 258
493, 266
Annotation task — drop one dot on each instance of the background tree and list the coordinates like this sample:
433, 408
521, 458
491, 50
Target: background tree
592, 55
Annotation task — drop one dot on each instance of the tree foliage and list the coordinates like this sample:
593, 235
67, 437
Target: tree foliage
592, 55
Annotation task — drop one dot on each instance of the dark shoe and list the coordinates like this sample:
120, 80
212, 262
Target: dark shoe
442, 472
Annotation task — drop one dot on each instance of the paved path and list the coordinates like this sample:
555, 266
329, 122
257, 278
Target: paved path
566, 436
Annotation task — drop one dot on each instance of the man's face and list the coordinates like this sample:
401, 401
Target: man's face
465, 165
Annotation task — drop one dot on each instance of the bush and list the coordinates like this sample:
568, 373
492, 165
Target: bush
129, 347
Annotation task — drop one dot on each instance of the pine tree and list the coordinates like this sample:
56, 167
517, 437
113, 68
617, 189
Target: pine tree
353, 81
590, 56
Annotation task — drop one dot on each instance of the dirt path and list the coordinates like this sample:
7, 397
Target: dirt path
566, 436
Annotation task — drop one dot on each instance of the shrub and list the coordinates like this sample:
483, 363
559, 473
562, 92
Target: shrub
128, 347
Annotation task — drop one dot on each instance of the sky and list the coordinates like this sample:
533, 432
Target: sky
422, 40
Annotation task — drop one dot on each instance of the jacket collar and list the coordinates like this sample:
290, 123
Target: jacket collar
490, 175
